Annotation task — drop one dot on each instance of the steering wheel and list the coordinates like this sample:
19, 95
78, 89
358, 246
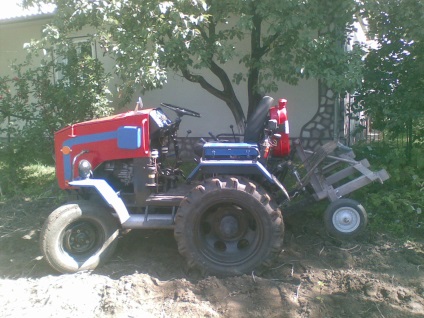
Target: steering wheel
180, 110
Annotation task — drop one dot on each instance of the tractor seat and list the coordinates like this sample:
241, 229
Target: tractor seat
254, 126
257, 121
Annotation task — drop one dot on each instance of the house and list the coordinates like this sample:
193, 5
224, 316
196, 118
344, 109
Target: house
315, 113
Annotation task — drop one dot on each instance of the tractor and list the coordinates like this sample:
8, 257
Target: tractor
125, 172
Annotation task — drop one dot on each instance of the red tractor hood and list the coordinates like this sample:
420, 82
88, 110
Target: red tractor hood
121, 136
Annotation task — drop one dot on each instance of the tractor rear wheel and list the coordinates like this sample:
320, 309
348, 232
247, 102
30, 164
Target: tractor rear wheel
78, 236
228, 226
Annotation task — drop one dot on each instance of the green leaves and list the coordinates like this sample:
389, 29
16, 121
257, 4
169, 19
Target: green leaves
60, 83
393, 86
396, 207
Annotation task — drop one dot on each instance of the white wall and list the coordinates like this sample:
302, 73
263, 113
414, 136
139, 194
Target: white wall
216, 117
12, 38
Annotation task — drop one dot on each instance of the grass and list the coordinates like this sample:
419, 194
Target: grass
28, 194
33, 180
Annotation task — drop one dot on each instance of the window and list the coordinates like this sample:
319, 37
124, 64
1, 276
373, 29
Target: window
79, 49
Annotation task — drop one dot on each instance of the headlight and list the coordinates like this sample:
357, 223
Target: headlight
84, 169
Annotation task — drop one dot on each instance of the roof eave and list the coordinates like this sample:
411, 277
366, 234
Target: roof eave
28, 18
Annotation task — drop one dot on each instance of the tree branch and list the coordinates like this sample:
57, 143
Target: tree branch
6, 114
267, 44
227, 94
223, 77
203, 83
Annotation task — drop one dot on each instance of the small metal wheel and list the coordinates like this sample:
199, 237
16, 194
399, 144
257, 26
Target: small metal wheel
345, 218
82, 237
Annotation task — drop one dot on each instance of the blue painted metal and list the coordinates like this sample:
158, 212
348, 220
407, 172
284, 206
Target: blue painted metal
228, 151
107, 193
236, 167
231, 167
235, 159
129, 137
79, 140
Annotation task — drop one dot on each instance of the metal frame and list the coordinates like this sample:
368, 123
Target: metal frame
323, 182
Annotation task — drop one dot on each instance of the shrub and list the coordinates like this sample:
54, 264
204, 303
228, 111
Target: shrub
398, 205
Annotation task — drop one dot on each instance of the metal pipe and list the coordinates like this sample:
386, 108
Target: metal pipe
153, 221
74, 161
354, 162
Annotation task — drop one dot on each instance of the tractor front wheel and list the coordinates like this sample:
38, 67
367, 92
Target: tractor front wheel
345, 218
78, 236
228, 226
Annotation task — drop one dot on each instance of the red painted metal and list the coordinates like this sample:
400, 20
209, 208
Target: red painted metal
99, 138
279, 113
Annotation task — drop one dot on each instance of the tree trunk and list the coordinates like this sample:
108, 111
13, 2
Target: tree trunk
409, 140
238, 113
256, 52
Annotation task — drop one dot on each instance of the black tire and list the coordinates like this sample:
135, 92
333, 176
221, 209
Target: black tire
228, 227
79, 236
345, 218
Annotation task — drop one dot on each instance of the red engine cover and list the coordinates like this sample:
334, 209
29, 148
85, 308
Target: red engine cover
104, 139
279, 113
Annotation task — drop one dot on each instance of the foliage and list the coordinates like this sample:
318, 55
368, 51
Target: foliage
58, 84
272, 40
398, 205
393, 83
35, 180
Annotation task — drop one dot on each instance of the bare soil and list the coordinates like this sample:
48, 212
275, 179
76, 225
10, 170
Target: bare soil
315, 276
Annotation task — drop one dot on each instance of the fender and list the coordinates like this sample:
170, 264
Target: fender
236, 167
107, 193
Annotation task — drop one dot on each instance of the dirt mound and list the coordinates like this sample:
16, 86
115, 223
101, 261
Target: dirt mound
315, 276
